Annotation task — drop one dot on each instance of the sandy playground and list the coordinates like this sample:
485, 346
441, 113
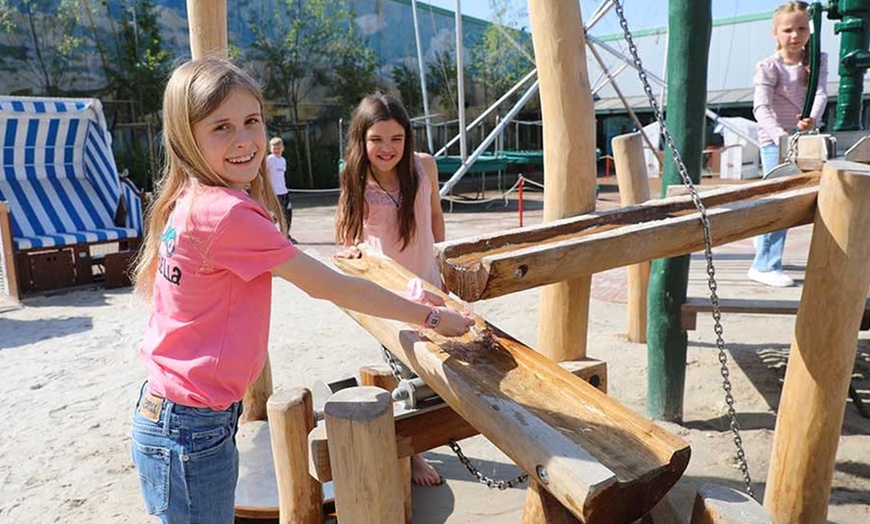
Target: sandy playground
69, 376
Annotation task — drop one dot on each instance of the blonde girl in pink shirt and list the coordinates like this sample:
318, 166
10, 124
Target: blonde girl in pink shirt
389, 200
780, 88
216, 236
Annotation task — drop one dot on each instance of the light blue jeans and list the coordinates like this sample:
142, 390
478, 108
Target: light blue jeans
769, 246
188, 463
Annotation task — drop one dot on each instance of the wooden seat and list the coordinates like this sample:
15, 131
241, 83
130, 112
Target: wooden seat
694, 305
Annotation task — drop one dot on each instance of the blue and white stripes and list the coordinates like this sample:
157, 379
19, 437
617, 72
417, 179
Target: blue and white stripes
58, 174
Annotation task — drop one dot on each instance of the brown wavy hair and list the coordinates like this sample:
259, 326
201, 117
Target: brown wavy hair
195, 89
374, 108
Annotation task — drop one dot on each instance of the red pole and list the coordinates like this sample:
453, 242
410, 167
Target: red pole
607, 167
522, 180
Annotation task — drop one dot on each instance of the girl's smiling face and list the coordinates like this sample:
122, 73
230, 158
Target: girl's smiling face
232, 139
385, 145
792, 32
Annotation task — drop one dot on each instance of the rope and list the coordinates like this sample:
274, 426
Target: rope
503, 196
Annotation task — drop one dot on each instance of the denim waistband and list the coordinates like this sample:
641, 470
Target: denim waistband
193, 416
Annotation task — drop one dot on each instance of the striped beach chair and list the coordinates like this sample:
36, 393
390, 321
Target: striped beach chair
66, 217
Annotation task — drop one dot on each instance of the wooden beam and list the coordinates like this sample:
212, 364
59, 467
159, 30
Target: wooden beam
422, 430
257, 395
492, 265
823, 350
208, 28
367, 487
716, 504
7, 257
693, 306
633, 183
568, 116
598, 458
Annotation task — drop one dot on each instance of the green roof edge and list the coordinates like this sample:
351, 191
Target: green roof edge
734, 20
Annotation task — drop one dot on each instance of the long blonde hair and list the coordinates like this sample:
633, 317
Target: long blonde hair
194, 90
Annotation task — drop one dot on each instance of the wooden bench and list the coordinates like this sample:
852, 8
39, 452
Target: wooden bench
695, 305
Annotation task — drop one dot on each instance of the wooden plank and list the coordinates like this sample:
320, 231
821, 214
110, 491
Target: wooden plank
599, 459
207, 20
420, 431
695, 305
7, 256
493, 265
822, 355
716, 504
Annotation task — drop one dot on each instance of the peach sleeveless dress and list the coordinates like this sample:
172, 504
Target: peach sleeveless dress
381, 227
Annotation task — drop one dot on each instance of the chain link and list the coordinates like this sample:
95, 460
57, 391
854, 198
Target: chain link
708, 248
483, 479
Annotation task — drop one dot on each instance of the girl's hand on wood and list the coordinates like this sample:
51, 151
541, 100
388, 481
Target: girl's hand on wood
453, 323
349, 252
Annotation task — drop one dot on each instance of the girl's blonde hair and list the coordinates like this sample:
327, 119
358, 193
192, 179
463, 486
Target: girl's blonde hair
194, 90
374, 108
788, 8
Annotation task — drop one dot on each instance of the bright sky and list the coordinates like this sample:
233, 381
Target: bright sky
641, 14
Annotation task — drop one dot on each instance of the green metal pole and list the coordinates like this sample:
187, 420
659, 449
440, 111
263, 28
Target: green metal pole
854, 59
690, 23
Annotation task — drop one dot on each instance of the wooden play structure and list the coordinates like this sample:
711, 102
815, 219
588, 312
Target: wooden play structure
588, 458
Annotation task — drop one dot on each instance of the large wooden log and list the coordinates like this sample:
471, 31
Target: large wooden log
568, 114
291, 417
823, 349
599, 459
367, 485
496, 264
257, 395
208, 28
716, 504
633, 183
381, 376
422, 430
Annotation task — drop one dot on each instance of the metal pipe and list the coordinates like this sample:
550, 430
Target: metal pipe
466, 164
652, 76
422, 69
489, 110
460, 84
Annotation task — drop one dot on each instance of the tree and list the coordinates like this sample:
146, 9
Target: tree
407, 82
301, 43
43, 45
139, 64
353, 75
496, 61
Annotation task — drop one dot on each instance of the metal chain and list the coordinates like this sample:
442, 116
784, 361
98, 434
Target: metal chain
483, 479
708, 248
791, 153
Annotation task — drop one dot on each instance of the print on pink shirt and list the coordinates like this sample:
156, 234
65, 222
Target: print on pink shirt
171, 273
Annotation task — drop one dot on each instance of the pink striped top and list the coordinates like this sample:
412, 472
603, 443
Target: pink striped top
780, 89
381, 227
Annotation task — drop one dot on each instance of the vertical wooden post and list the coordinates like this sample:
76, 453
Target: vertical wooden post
208, 28
382, 377
633, 183
300, 496
569, 161
7, 256
823, 349
362, 437
256, 396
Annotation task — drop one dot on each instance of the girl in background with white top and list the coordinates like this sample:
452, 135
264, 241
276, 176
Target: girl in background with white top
780, 89
277, 169
206, 266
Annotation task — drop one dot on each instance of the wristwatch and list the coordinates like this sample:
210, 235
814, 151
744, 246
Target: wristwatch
433, 318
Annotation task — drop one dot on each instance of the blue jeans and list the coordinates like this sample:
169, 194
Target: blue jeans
188, 463
769, 246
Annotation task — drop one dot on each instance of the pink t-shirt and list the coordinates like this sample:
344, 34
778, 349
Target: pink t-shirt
381, 227
207, 337
780, 89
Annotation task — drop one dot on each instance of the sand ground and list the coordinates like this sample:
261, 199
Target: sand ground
69, 376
